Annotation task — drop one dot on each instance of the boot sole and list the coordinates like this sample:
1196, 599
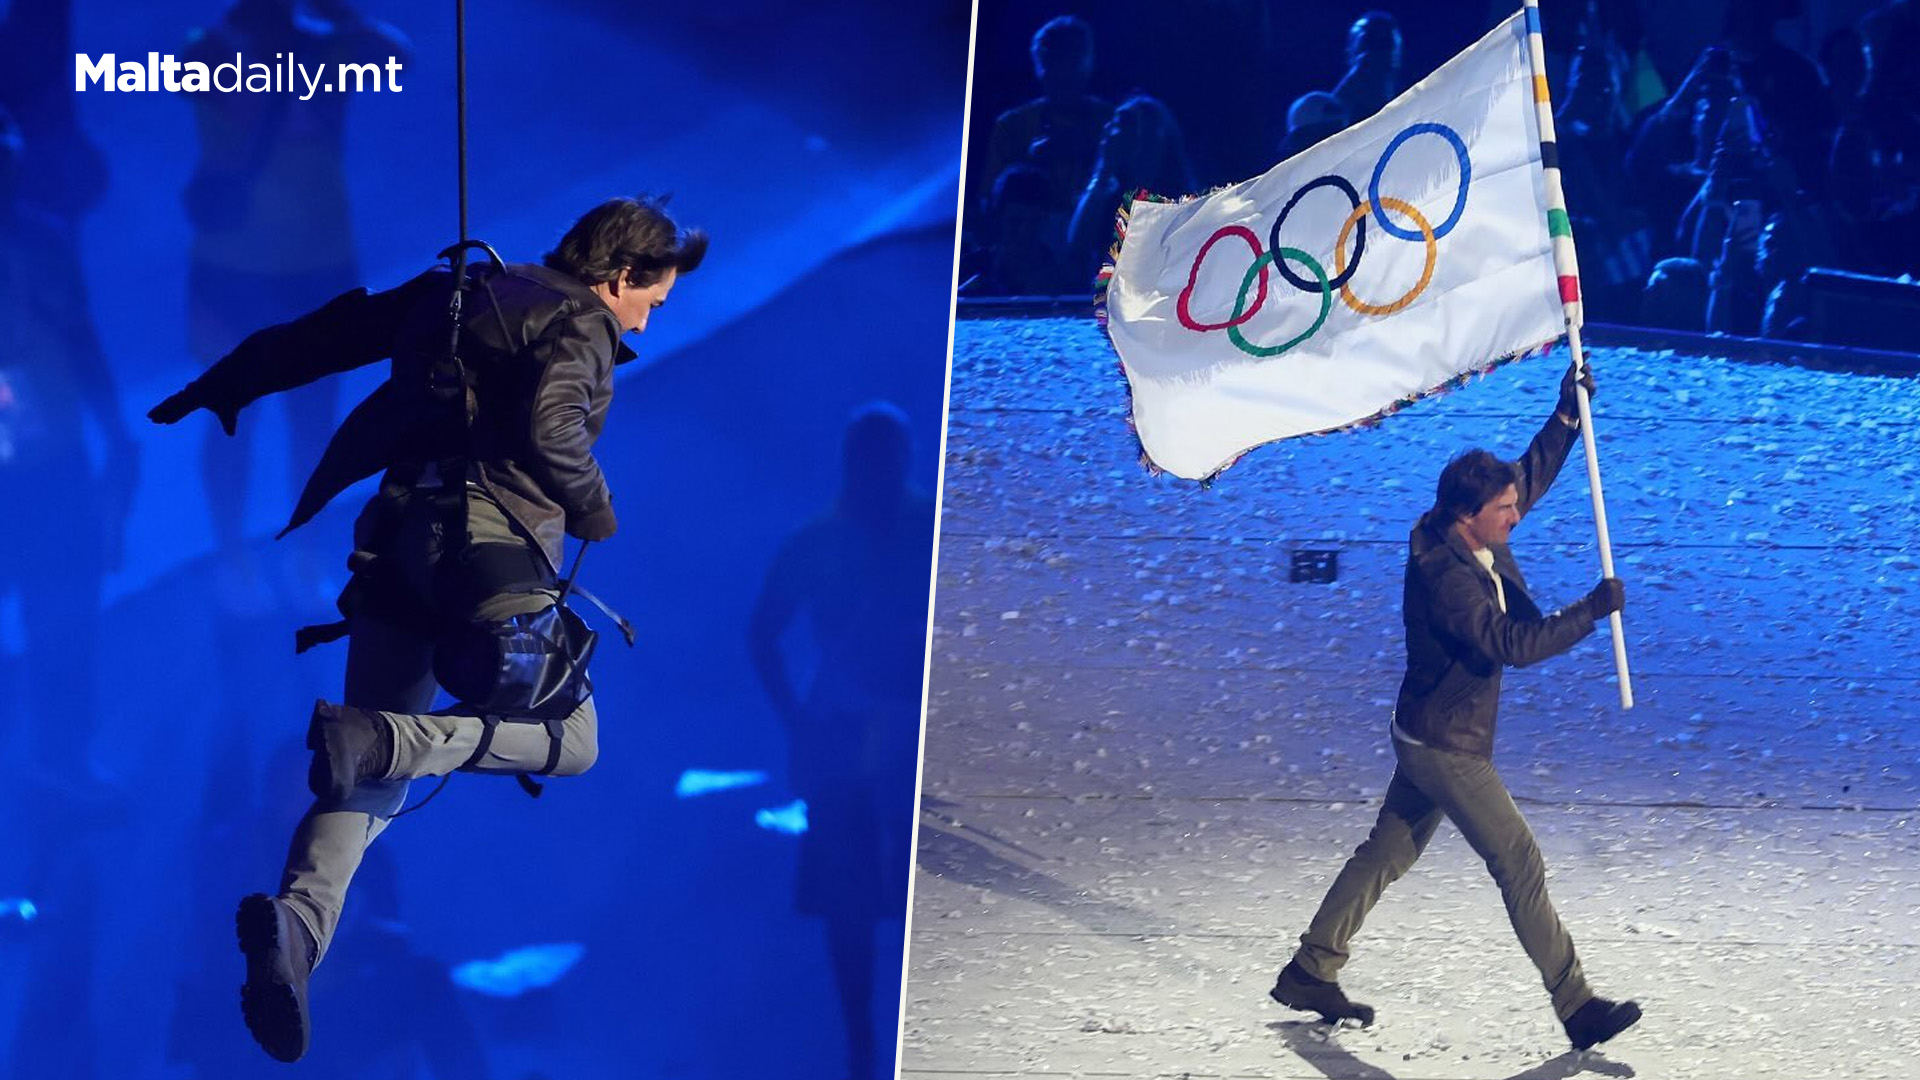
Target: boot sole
270, 1006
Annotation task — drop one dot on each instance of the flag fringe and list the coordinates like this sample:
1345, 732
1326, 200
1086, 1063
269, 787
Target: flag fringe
1121, 218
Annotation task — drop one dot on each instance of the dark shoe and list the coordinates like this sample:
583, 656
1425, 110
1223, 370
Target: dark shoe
1298, 990
279, 958
349, 746
1599, 1020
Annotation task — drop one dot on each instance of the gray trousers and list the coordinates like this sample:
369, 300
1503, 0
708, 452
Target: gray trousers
391, 670
1427, 785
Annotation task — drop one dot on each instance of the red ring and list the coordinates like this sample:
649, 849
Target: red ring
1193, 275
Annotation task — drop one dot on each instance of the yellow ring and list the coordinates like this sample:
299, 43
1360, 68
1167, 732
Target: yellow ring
1340, 256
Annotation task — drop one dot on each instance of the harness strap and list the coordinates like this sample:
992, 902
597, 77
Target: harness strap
556, 731
626, 628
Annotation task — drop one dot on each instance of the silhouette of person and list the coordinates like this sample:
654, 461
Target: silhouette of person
66, 174
1140, 147
1374, 50
1039, 158
272, 230
857, 574
54, 380
1312, 118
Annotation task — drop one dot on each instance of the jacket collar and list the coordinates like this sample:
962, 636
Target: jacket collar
1428, 535
573, 287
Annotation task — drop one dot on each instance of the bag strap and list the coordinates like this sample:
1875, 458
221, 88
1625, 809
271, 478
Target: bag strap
569, 586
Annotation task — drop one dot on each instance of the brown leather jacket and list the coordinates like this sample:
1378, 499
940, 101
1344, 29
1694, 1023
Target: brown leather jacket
1458, 639
543, 362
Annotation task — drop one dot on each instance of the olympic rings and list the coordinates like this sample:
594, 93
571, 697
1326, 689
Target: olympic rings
1427, 233
1359, 244
1259, 266
1379, 169
1276, 256
1193, 275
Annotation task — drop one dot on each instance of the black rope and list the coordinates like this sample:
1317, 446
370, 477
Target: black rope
436, 790
460, 250
460, 93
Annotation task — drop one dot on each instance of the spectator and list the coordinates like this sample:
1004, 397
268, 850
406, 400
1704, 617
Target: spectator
1876, 156
1024, 254
1373, 78
1783, 259
1312, 118
1670, 153
1675, 296
1786, 88
1058, 132
1591, 129
1843, 63
1141, 148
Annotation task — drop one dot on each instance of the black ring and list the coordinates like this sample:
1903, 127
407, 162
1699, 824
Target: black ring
1359, 238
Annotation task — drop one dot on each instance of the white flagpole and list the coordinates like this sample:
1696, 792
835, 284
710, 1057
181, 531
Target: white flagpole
1567, 267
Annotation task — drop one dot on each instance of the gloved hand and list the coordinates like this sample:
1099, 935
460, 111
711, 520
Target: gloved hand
1606, 598
598, 525
1569, 405
187, 400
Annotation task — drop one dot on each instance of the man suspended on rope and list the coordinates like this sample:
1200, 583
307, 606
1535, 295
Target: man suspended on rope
1468, 617
484, 435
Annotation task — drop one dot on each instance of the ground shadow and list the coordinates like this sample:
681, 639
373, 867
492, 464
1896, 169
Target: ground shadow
1308, 1040
967, 855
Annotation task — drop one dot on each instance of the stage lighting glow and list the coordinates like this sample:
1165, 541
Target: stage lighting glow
705, 781
519, 970
790, 819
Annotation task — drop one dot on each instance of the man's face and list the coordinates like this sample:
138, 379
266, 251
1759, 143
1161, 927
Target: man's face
1493, 521
632, 304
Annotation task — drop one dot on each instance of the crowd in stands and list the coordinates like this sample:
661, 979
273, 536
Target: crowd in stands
1699, 202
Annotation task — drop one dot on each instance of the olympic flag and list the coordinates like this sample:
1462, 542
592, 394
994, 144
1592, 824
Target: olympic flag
1374, 268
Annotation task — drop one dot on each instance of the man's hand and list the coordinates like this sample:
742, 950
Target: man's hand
595, 526
1606, 598
175, 408
1568, 410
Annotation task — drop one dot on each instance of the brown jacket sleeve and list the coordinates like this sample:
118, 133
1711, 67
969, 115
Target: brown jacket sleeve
576, 378
350, 331
1541, 463
1463, 607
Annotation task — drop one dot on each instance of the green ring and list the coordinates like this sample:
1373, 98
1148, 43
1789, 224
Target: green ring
1239, 302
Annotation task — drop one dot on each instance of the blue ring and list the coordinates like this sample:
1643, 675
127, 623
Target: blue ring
1459, 202
1359, 237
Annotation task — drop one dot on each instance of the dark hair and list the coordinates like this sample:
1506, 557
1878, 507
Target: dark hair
630, 237
1377, 30
878, 427
1066, 32
1468, 483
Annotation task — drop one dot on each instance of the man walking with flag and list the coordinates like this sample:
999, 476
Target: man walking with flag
1386, 263
1468, 616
